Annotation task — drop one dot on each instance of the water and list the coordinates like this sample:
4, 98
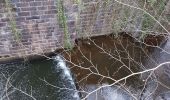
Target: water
65, 80
107, 93
161, 77
37, 80
45, 80
102, 60
76, 74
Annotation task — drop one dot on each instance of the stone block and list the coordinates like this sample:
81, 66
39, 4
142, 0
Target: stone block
29, 9
34, 4
24, 14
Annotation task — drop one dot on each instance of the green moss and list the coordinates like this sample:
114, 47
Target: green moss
157, 5
17, 34
161, 6
147, 22
143, 35
121, 22
63, 23
152, 2
80, 7
77, 1
12, 22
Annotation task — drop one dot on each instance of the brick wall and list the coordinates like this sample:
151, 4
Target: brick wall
36, 22
39, 27
40, 30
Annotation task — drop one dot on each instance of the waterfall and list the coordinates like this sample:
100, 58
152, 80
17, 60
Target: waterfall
66, 79
42, 80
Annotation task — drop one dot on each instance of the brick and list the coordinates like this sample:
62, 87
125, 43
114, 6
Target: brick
29, 9
71, 23
37, 21
24, 14
22, 4
50, 2
48, 16
5, 19
2, 24
38, 13
2, 5
40, 0
26, 0
33, 17
20, 19
51, 12
35, 32
41, 21
72, 29
87, 1
33, 13
2, 10
42, 8
75, 8
52, 7
35, 3
26, 43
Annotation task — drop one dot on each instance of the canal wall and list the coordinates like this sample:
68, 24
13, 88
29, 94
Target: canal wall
35, 27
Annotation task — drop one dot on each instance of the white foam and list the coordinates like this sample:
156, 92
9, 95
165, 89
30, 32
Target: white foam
66, 73
107, 93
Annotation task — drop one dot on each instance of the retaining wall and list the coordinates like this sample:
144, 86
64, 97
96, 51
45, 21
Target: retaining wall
31, 27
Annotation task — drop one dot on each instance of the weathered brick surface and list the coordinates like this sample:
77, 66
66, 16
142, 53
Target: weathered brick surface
36, 21
39, 28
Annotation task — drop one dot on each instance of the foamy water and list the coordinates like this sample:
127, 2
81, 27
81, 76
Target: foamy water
66, 75
107, 93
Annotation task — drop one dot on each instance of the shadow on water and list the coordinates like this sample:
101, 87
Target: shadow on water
94, 63
103, 60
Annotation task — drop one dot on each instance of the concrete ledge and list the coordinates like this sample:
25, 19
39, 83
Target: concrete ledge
27, 58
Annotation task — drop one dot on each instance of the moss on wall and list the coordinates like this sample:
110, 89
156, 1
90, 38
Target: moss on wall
63, 23
12, 21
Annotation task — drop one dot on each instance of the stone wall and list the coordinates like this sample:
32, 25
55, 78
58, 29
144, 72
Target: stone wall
31, 27
36, 22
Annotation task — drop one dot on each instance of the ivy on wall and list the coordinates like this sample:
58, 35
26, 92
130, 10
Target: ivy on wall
63, 23
12, 21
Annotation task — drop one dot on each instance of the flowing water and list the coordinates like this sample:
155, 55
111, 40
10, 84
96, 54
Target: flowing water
94, 63
161, 76
37, 80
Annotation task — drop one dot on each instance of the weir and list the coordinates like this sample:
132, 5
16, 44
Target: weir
84, 49
45, 80
76, 74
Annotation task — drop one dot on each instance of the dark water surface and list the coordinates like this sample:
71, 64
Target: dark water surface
36, 80
92, 64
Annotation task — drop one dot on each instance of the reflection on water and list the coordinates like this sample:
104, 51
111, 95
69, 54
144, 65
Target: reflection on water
103, 60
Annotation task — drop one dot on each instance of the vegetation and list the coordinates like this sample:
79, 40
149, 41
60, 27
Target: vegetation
63, 23
157, 13
116, 60
12, 21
